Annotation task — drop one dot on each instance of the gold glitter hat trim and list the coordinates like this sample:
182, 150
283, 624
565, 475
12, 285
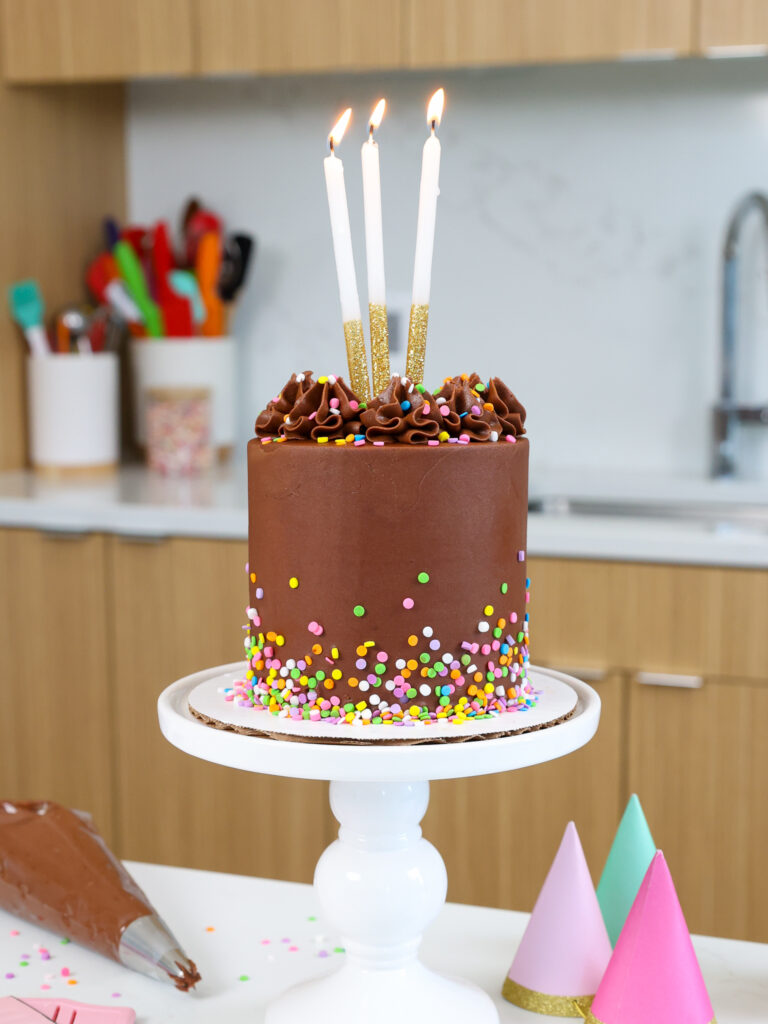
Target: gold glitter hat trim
377, 315
357, 359
540, 1002
417, 343
590, 1018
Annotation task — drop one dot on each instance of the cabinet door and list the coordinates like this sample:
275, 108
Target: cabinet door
55, 726
177, 607
733, 23
298, 35
455, 32
498, 834
699, 760
81, 40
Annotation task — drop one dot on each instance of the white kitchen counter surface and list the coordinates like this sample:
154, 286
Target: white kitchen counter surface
135, 502
265, 936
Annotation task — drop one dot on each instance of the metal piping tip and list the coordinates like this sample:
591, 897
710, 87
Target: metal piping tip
148, 946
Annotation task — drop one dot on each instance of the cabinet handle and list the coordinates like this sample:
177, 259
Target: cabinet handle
64, 534
138, 538
670, 679
586, 674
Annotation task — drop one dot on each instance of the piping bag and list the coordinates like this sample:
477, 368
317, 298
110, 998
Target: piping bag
57, 871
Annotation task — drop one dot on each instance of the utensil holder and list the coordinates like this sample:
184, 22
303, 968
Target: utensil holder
186, 363
73, 409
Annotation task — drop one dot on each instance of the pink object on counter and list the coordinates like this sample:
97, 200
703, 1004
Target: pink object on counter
565, 948
63, 1011
14, 1011
654, 974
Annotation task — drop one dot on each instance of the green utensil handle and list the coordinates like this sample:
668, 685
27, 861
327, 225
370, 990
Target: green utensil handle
132, 273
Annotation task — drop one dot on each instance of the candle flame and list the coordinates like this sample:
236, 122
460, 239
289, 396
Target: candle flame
337, 132
377, 114
435, 108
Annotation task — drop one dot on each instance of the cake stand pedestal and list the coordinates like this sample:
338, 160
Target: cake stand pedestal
380, 883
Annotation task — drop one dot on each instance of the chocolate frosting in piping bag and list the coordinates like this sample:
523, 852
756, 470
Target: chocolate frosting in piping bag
57, 871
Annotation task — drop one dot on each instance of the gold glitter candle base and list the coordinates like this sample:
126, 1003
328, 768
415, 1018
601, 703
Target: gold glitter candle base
540, 1002
417, 343
377, 314
357, 360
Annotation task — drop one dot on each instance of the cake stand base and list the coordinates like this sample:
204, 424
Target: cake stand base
380, 883
398, 996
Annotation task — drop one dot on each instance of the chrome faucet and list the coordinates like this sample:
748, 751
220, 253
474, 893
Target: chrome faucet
728, 414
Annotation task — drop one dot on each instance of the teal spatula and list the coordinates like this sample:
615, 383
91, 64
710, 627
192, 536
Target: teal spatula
28, 310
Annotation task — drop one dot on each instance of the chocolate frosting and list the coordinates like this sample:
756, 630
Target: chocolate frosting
401, 415
380, 517
509, 410
464, 412
464, 408
328, 409
307, 409
57, 871
270, 421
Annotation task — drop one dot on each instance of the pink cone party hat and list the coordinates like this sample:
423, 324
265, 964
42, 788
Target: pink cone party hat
653, 974
565, 948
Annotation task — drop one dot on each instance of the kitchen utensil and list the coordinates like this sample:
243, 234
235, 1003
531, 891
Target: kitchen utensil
185, 283
199, 222
208, 265
111, 232
133, 275
177, 312
103, 279
66, 1011
28, 310
75, 323
236, 257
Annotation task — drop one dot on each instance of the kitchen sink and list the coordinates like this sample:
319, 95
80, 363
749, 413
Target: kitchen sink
751, 516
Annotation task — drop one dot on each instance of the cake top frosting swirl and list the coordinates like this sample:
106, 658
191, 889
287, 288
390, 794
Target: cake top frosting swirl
463, 410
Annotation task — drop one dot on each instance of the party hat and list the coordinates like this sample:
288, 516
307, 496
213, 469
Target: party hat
565, 948
632, 851
653, 974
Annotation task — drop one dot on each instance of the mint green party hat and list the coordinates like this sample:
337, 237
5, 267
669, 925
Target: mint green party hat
632, 851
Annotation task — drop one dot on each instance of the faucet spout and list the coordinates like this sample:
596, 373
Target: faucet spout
727, 414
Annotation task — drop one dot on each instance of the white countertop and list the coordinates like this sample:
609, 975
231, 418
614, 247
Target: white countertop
136, 502
267, 933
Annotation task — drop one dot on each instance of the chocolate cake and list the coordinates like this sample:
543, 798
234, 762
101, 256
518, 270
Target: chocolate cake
387, 554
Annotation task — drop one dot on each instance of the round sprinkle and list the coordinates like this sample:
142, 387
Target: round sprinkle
359, 611
408, 602
423, 577
504, 588
312, 627
483, 627
259, 593
427, 631
488, 610
413, 640
293, 582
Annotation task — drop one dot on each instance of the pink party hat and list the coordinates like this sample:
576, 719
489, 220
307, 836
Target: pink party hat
653, 974
565, 948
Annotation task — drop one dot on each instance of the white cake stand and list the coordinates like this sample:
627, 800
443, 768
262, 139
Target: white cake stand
380, 883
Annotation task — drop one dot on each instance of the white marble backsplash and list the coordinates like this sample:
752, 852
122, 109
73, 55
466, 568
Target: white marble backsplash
579, 232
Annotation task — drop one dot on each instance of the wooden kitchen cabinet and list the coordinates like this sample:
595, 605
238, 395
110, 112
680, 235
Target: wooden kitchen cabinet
699, 760
89, 40
732, 23
446, 33
56, 726
499, 833
177, 606
299, 35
